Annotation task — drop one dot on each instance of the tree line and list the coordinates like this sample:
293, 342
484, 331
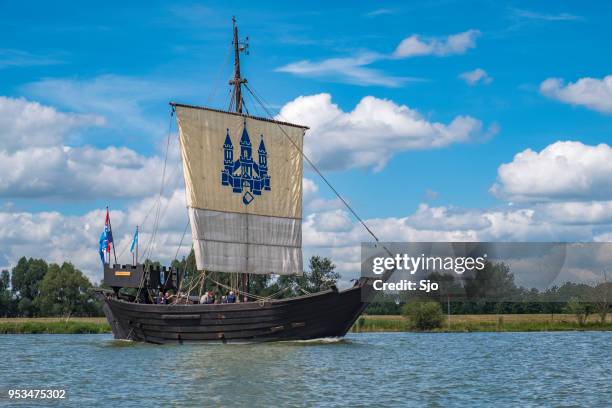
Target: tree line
34, 288
493, 290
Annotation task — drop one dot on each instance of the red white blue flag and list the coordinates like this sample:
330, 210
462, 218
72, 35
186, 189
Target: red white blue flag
106, 239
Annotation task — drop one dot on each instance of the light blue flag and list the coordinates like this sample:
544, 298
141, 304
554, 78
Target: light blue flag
134, 240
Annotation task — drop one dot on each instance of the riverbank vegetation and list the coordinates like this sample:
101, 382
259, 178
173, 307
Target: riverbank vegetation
493, 291
484, 323
92, 325
35, 288
365, 324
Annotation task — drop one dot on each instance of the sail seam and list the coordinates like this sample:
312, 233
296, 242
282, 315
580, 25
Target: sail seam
242, 213
247, 243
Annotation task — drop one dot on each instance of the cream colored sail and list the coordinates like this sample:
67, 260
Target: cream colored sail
243, 179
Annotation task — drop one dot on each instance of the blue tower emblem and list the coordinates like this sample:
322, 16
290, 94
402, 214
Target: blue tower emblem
244, 175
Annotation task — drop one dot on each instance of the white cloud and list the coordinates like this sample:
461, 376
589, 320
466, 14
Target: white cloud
578, 212
431, 195
372, 132
25, 123
309, 189
444, 224
35, 161
379, 12
58, 237
593, 93
446, 219
335, 221
80, 173
416, 45
20, 58
532, 15
561, 171
352, 70
476, 76
124, 101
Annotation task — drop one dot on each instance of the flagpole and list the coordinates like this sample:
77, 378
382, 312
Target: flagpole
110, 228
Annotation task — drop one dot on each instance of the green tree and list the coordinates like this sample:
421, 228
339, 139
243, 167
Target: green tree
6, 298
26, 307
25, 284
64, 292
259, 284
26, 277
291, 285
423, 315
603, 297
322, 275
493, 283
579, 309
5, 280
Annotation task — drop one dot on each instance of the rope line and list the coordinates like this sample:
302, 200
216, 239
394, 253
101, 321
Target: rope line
256, 297
217, 80
181, 242
148, 251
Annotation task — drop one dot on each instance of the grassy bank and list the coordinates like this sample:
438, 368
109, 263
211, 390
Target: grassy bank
366, 323
486, 323
76, 325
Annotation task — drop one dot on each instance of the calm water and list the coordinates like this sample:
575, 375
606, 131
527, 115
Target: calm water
379, 369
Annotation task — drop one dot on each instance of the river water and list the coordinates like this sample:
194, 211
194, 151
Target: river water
370, 369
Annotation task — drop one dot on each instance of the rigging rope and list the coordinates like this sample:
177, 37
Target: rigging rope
150, 244
157, 201
257, 297
218, 76
181, 242
127, 244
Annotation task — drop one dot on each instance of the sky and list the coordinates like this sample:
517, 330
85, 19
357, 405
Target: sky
436, 120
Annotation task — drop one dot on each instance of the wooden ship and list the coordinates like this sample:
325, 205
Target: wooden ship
243, 178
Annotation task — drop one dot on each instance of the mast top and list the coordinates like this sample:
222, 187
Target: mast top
236, 82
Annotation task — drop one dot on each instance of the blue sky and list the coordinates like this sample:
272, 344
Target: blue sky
121, 64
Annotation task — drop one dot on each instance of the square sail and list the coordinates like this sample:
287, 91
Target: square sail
243, 178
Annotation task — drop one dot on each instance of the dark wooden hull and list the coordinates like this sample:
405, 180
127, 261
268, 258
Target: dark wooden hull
324, 314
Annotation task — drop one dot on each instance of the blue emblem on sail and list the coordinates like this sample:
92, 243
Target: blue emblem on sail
244, 175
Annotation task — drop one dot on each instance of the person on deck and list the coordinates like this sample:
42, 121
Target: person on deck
231, 298
204, 299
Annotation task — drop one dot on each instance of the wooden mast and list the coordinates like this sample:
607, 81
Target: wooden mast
237, 80
237, 103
